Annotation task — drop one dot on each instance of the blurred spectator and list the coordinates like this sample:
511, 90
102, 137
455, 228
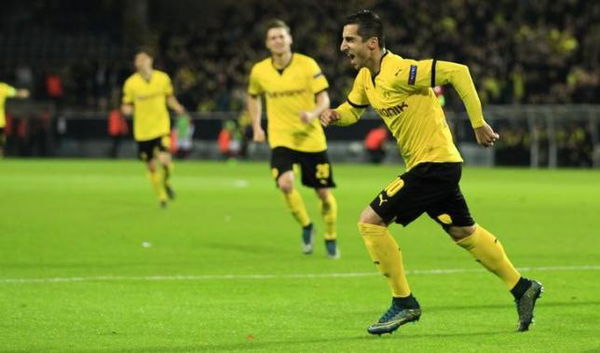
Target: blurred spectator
245, 128
375, 144
117, 130
519, 51
39, 130
54, 89
439, 93
513, 146
24, 76
574, 146
229, 140
183, 133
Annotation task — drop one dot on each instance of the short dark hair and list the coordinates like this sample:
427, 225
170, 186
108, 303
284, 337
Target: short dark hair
369, 25
276, 23
145, 50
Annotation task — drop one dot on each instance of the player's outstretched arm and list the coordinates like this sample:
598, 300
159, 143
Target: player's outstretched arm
22, 93
322, 103
485, 135
174, 104
458, 75
255, 110
126, 109
343, 115
329, 117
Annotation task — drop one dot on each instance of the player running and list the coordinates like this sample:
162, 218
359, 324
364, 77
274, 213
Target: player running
146, 94
400, 91
7, 91
295, 90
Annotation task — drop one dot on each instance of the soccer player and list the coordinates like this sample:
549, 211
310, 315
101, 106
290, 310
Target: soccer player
146, 94
400, 91
295, 91
7, 91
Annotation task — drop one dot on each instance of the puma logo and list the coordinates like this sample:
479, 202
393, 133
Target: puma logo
381, 199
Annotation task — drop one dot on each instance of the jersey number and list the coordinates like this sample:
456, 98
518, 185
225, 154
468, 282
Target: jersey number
394, 187
322, 171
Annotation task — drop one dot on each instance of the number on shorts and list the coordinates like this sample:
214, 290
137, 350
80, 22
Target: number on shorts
394, 187
322, 171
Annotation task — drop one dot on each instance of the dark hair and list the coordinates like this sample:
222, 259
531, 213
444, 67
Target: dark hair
369, 25
275, 23
144, 49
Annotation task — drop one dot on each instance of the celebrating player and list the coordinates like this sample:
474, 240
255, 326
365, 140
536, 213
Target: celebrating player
400, 91
7, 91
147, 93
295, 90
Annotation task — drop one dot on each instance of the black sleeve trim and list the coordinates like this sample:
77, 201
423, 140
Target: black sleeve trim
358, 106
433, 72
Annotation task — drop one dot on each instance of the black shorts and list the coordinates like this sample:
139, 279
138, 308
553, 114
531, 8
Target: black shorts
149, 149
2, 137
428, 187
315, 166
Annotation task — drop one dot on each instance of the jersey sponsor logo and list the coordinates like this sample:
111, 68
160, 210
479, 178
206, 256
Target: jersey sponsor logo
387, 112
289, 93
147, 96
412, 75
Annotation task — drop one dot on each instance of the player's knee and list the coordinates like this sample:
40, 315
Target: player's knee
458, 233
151, 166
285, 182
368, 216
164, 158
285, 186
323, 193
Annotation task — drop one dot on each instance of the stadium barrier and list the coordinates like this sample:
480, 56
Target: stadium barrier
546, 136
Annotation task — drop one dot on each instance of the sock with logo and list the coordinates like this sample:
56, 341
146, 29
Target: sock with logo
488, 251
329, 212
295, 204
156, 179
386, 254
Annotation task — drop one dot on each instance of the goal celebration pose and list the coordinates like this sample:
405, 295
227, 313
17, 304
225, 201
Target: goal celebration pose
400, 91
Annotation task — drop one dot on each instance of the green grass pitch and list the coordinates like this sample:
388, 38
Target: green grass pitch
222, 271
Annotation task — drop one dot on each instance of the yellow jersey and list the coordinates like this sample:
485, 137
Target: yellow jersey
6, 91
288, 92
150, 117
402, 95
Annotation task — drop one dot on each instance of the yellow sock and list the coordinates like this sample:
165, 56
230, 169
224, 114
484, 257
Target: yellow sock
488, 250
329, 212
386, 254
165, 173
158, 184
295, 203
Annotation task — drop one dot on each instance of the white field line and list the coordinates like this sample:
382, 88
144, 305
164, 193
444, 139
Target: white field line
279, 276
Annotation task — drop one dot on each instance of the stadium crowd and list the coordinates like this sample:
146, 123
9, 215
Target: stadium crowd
519, 52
